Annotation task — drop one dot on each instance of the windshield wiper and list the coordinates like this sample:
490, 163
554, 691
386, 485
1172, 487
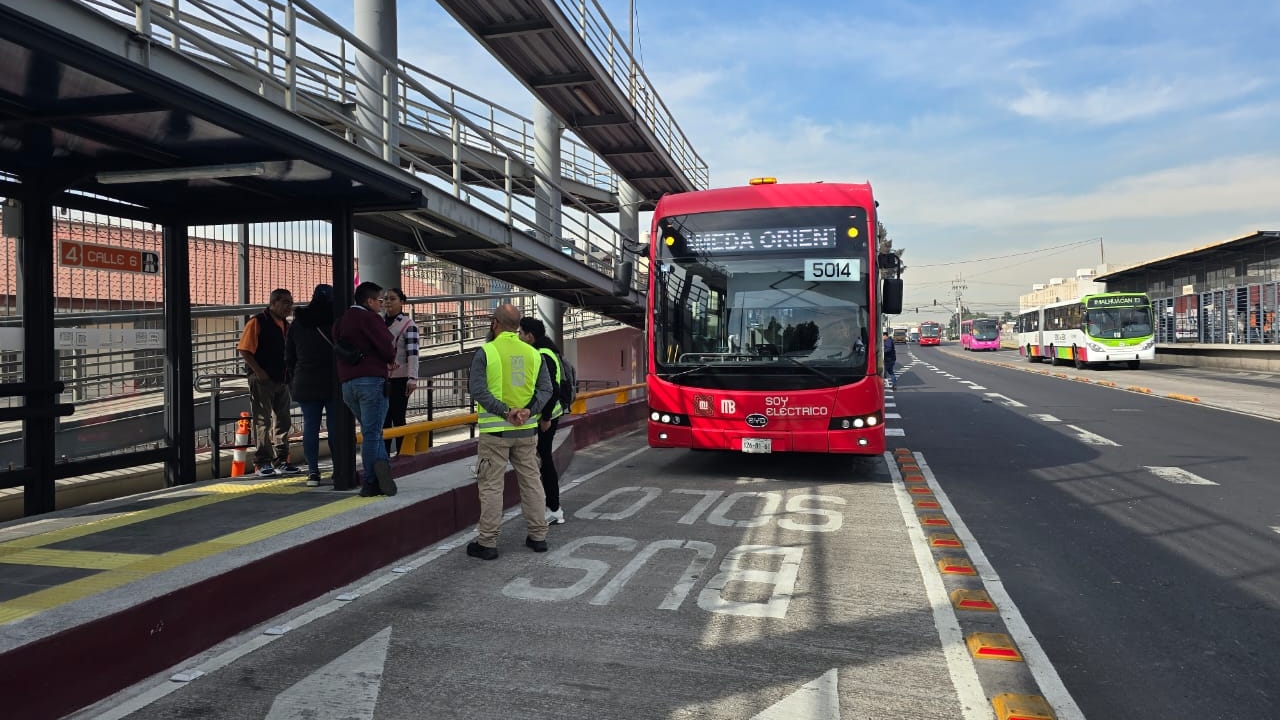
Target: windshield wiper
697, 368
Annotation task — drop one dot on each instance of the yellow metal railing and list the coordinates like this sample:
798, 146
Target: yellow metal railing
416, 437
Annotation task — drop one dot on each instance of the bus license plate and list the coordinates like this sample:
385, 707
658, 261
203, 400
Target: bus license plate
757, 445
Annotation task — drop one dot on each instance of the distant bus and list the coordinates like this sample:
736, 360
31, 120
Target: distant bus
980, 334
1100, 328
765, 308
913, 334
930, 333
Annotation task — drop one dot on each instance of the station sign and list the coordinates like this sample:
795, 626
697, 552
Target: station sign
106, 257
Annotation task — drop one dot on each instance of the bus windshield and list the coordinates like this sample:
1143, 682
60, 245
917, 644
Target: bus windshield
985, 329
930, 331
772, 297
1118, 322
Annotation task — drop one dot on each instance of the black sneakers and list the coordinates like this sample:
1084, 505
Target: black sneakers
476, 550
535, 545
382, 471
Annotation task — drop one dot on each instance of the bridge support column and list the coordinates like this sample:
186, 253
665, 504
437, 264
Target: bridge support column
375, 25
547, 204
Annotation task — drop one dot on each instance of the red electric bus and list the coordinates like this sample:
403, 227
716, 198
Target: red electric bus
765, 312
930, 333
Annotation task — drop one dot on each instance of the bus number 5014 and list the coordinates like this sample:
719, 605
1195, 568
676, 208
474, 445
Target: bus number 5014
841, 269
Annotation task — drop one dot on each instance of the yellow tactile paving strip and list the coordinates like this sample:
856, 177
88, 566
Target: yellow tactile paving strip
118, 569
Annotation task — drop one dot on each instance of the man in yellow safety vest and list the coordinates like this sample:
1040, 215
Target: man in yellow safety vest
508, 383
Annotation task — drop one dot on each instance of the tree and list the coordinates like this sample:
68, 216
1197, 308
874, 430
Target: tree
884, 243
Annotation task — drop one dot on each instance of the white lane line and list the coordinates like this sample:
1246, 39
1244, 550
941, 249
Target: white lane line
1044, 418
1276, 528
1046, 676
1006, 401
895, 432
1089, 438
893, 416
1178, 476
973, 385
960, 664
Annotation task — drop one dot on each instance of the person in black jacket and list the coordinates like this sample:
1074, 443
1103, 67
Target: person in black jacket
534, 332
890, 359
308, 356
262, 347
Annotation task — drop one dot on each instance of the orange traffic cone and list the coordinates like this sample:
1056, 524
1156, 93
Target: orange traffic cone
240, 455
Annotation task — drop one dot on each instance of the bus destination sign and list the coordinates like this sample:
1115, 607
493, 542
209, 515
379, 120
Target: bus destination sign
1116, 301
792, 239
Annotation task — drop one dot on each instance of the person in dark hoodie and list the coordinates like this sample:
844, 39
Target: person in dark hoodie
308, 357
534, 332
364, 382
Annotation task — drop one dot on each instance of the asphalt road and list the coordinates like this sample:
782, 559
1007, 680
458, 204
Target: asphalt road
1138, 535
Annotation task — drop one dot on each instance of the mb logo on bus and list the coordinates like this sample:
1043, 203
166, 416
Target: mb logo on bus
728, 407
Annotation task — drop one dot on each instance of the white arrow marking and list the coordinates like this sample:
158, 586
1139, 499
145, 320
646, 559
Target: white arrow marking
345, 688
1089, 438
1045, 418
815, 700
1007, 402
1178, 476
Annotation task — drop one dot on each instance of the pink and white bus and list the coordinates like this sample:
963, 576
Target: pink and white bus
980, 334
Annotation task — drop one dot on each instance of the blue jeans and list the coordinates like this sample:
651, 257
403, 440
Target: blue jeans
311, 414
368, 402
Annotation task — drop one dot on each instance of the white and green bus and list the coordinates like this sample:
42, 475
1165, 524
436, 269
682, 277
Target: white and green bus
1100, 328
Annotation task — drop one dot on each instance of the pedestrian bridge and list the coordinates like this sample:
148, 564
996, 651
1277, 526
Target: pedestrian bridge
177, 116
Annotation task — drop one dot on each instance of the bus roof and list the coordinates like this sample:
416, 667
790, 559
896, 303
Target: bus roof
748, 197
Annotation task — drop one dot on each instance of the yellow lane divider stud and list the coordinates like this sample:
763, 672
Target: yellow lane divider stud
919, 490
913, 477
956, 566
927, 504
993, 646
972, 600
1187, 398
934, 520
944, 540
1009, 706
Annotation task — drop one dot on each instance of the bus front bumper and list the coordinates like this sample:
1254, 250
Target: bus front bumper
868, 441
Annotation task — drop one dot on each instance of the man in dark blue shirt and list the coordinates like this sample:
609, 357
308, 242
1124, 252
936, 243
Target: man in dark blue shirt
890, 358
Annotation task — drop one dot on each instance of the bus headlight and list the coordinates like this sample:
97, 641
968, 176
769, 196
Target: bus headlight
856, 422
668, 418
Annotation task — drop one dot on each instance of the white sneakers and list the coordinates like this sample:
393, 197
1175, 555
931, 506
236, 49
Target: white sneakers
555, 517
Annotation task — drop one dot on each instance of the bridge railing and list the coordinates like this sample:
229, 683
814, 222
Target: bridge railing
292, 54
611, 49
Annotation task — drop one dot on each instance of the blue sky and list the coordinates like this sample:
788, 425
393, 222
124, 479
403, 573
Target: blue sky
1008, 142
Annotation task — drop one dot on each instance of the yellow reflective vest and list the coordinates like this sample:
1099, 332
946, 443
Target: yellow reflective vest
511, 374
553, 361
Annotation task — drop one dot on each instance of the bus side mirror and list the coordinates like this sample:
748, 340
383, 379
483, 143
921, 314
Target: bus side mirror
622, 274
891, 296
889, 261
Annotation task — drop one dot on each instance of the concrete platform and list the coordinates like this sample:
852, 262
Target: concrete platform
95, 598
